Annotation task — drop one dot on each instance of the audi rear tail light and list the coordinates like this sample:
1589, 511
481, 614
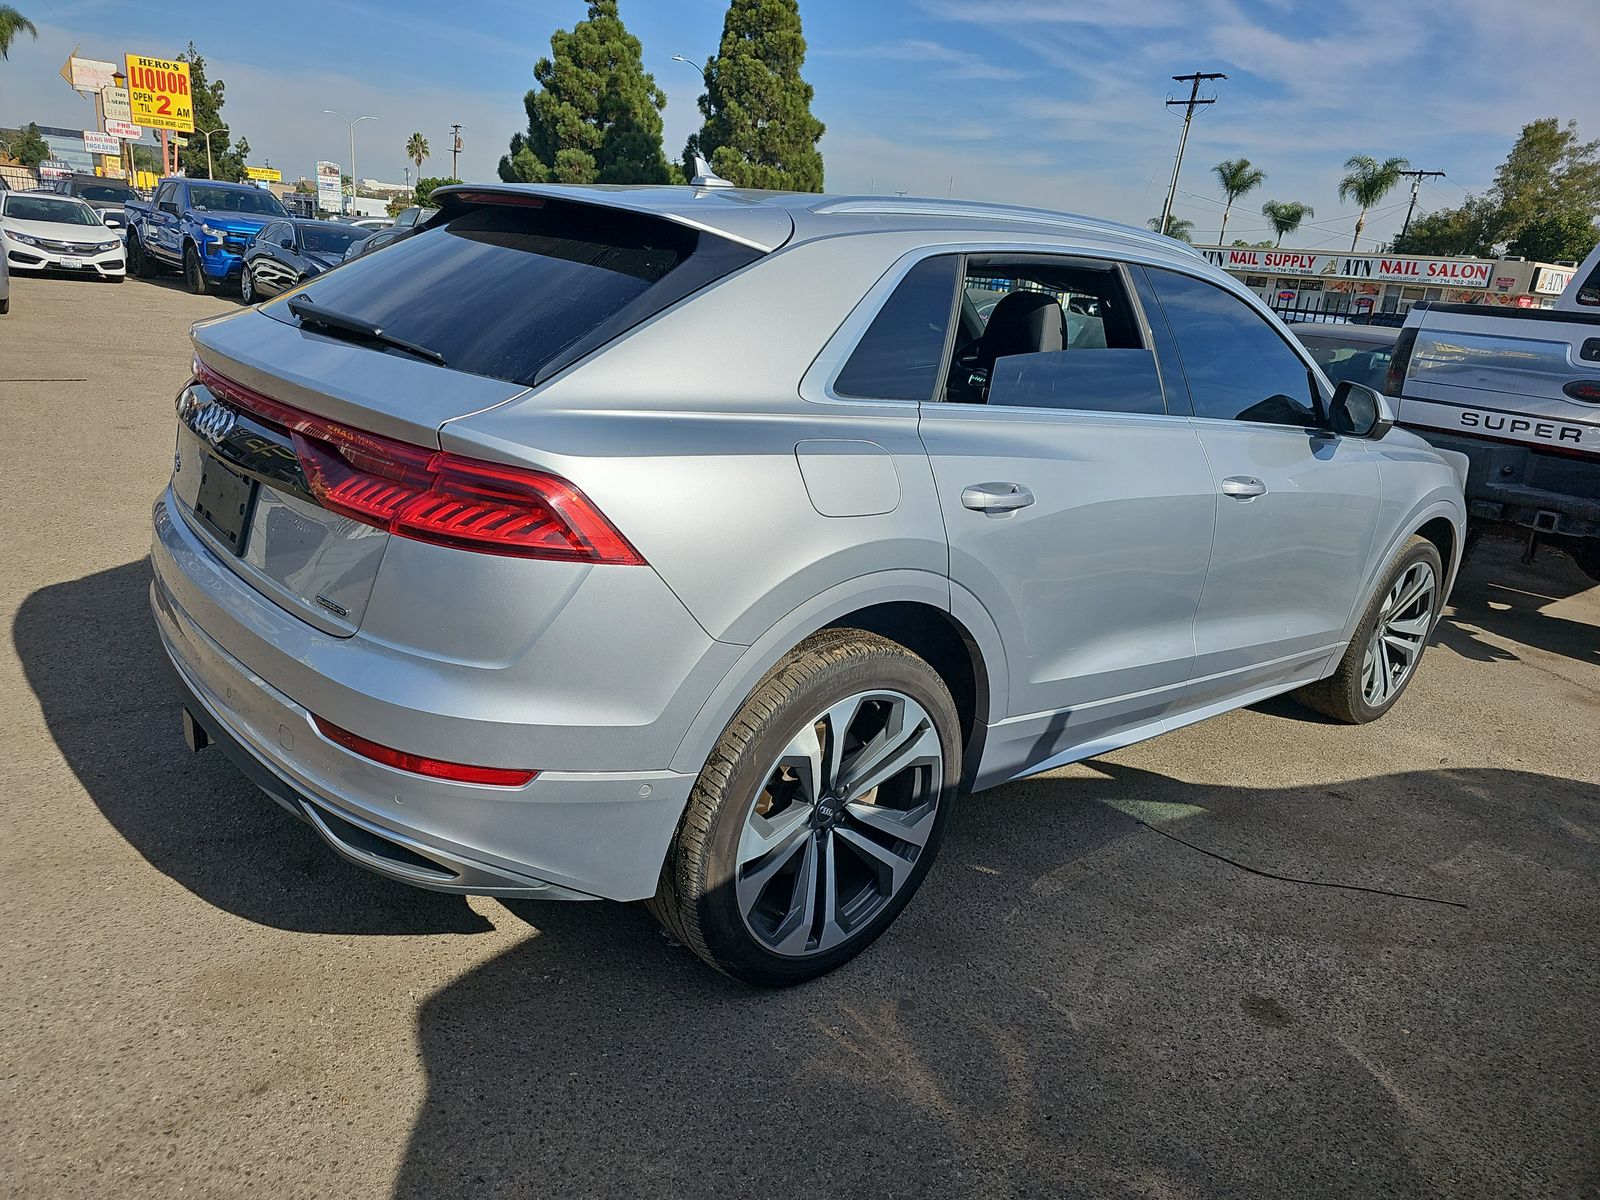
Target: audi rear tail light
435, 496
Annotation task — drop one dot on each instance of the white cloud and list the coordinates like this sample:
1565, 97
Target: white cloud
954, 64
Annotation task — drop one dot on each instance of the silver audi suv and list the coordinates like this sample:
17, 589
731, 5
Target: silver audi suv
699, 546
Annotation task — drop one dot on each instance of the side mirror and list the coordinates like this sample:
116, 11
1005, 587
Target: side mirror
286, 243
1358, 411
109, 218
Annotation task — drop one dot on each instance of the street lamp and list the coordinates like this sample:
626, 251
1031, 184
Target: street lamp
352, 125
689, 62
211, 172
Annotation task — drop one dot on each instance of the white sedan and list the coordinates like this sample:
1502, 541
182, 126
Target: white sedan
41, 232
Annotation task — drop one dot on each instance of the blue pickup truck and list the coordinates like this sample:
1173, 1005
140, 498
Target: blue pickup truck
200, 227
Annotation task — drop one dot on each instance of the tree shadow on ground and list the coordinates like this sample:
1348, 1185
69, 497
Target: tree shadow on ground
91, 654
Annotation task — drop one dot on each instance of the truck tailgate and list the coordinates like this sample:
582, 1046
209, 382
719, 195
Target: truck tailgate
1505, 376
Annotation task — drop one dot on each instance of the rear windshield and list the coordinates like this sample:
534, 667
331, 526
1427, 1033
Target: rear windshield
505, 289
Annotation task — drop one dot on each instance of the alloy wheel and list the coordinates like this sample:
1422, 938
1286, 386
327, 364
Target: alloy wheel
839, 823
247, 291
1398, 638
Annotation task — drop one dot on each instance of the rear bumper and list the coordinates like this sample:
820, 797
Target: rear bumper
1512, 483
564, 835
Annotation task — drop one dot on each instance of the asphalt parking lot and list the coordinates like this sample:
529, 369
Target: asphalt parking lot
1264, 956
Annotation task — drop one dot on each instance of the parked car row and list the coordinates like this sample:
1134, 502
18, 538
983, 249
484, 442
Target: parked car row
235, 236
218, 235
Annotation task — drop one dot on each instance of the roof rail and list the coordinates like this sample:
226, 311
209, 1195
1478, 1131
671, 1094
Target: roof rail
1016, 214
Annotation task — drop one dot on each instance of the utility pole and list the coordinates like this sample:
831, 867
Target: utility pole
1193, 102
1416, 180
455, 149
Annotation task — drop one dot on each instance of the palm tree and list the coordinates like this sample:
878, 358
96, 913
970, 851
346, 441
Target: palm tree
1368, 182
417, 150
12, 23
1237, 177
1177, 227
1286, 215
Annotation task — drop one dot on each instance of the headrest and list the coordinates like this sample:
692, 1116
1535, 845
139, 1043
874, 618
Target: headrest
1023, 323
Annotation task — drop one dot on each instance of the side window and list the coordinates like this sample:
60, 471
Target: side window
167, 200
900, 355
1044, 332
1237, 366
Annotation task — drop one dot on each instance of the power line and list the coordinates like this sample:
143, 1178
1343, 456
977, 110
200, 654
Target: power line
1194, 80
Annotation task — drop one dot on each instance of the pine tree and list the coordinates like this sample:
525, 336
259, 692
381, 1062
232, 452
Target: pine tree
208, 96
596, 115
759, 131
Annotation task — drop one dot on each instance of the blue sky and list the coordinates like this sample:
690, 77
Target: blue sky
1051, 102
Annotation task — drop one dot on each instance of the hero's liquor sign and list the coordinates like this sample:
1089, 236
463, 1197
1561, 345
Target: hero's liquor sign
1424, 272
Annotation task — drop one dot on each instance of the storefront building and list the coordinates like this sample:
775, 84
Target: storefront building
1364, 284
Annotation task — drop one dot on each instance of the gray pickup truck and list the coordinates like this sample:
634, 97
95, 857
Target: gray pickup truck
1517, 390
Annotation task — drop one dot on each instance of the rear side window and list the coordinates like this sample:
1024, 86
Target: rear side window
899, 356
1239, 368
510, 290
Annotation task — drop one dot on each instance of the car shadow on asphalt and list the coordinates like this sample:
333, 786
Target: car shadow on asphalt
1499, 595
91, 654
1076, 1004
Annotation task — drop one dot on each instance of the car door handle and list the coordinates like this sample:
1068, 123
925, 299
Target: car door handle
996, 497
1242, 487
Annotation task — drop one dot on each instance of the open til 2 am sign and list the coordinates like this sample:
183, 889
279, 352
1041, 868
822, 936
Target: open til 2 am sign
158, 93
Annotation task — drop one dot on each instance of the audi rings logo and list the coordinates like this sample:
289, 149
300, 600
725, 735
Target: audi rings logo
206, 417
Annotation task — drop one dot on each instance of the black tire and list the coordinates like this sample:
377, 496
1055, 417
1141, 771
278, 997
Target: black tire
138, 261
1342, 695
5, 306
194, 276
696, 899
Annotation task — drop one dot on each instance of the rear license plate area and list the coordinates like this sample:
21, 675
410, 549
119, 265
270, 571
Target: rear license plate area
224, 503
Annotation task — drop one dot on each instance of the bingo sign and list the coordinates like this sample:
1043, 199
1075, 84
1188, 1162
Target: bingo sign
158, 93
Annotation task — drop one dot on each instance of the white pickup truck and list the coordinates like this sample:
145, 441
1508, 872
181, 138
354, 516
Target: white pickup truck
1517, 390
